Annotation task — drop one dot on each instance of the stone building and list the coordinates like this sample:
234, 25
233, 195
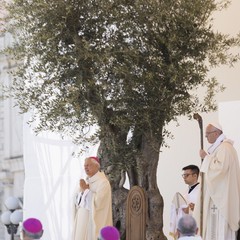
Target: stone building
11, 140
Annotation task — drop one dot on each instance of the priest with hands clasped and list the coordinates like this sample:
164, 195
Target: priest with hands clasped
93, 203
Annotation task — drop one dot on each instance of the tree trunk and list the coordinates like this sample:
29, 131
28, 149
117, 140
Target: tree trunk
117, 178
155, 216
142, 173
119, 199
147, 179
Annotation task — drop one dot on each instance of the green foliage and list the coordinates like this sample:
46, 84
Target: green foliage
128, 65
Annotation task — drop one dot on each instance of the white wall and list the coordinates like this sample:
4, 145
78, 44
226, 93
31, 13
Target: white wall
186, 144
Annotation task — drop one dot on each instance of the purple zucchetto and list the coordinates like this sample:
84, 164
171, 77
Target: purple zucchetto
109, 233
96, 159
33, 227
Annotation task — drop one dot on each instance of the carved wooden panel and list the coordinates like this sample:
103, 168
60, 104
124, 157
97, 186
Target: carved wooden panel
136, 214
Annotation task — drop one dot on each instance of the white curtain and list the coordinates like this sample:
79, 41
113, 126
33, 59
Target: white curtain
51, 174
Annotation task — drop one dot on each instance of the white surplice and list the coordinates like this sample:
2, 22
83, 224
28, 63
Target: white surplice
179, 202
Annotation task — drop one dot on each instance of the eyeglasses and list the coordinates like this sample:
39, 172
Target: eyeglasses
185, 175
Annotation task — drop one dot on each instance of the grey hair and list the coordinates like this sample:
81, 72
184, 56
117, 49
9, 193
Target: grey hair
187, 226
33, 235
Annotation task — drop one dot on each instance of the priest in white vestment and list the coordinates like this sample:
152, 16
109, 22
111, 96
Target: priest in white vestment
221, 204
93, 203
183, 204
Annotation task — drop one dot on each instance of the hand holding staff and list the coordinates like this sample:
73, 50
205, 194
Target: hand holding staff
199, 119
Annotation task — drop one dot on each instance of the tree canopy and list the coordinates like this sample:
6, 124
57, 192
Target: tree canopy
140, 59
127, 67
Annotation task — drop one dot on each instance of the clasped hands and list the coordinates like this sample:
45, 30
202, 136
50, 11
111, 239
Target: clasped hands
83, 185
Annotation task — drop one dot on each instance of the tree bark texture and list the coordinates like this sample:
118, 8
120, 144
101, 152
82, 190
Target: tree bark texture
147, 179
142, 173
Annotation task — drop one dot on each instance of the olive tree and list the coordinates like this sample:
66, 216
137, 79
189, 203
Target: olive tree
126, 68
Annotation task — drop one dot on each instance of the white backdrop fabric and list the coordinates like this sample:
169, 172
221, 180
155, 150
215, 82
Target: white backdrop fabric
51, 174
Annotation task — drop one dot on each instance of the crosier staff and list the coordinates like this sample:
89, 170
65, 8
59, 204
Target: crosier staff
200, 122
